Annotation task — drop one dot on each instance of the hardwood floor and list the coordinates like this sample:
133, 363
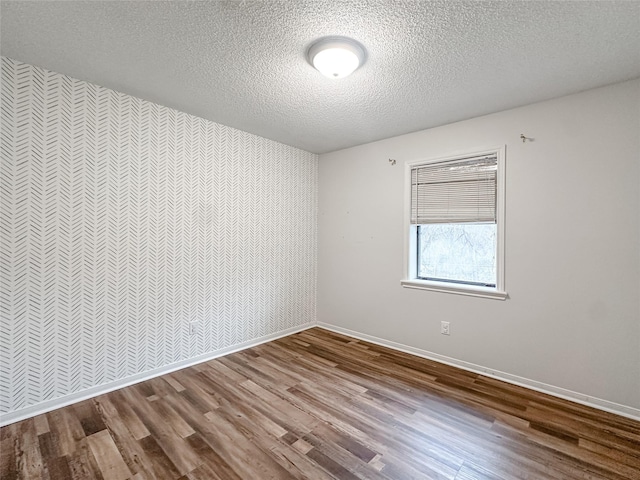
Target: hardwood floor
318, 405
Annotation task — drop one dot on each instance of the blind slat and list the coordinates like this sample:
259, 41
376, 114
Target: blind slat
456, 191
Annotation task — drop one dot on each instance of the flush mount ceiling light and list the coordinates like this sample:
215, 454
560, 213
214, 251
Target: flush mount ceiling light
336, 57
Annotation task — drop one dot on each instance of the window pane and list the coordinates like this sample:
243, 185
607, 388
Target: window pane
463, 252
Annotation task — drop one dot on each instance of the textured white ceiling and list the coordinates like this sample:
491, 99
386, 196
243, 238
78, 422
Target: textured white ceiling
243, 64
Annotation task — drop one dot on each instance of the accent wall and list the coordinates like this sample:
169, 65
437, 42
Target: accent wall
124, 222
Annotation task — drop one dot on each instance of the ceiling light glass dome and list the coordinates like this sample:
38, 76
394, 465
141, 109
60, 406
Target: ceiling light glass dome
336, 57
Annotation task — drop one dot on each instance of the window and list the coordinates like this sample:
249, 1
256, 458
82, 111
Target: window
455, 224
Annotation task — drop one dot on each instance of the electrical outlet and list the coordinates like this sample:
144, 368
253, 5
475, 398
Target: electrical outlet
193, 328
444, 328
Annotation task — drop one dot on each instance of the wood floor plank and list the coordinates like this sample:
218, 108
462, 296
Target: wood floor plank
88, 416
82, 462
41, 424
29, 455
9, 442
127, 415
58, 468
162, 465
107, 455
128, 446
174, 446
318, 405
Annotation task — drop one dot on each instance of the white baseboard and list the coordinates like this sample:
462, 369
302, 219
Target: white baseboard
47, 406
53, 404
581, 398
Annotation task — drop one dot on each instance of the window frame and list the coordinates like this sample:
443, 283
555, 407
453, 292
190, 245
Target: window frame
411, 279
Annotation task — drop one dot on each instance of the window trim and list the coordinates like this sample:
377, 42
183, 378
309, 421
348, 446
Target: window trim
410, 279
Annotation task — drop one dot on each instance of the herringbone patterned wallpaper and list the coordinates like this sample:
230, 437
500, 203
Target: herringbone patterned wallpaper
123, 221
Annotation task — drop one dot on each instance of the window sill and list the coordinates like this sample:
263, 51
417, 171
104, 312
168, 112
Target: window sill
473, 291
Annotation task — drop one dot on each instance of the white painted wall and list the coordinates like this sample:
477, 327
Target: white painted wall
572, 319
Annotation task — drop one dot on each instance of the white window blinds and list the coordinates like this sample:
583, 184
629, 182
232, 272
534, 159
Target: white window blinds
455, 191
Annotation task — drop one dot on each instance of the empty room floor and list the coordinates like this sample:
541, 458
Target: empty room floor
319, 405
